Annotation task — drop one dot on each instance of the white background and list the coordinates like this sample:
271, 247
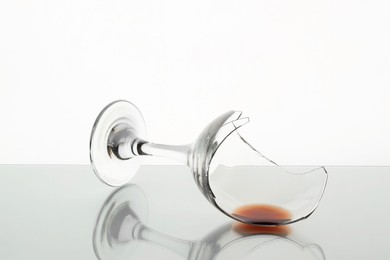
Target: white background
314, 76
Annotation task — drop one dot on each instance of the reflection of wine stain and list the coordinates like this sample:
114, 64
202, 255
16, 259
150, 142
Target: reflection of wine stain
267, 215
247, 229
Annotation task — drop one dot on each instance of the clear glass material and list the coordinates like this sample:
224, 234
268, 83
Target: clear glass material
121, 227
233, 176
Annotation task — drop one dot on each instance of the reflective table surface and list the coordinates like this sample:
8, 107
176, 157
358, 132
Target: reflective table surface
59, 212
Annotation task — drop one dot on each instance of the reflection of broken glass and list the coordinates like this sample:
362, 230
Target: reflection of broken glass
121, 227
236, 178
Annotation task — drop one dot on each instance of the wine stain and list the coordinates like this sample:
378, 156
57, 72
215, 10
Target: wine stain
265, 219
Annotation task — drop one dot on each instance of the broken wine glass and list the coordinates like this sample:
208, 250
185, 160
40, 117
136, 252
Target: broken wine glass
233, 176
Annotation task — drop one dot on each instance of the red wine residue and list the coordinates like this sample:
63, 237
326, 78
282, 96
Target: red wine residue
267, 219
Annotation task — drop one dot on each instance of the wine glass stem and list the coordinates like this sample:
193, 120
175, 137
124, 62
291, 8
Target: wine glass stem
177, 152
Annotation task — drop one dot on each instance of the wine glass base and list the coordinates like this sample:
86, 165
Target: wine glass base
124, 211
119, 122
